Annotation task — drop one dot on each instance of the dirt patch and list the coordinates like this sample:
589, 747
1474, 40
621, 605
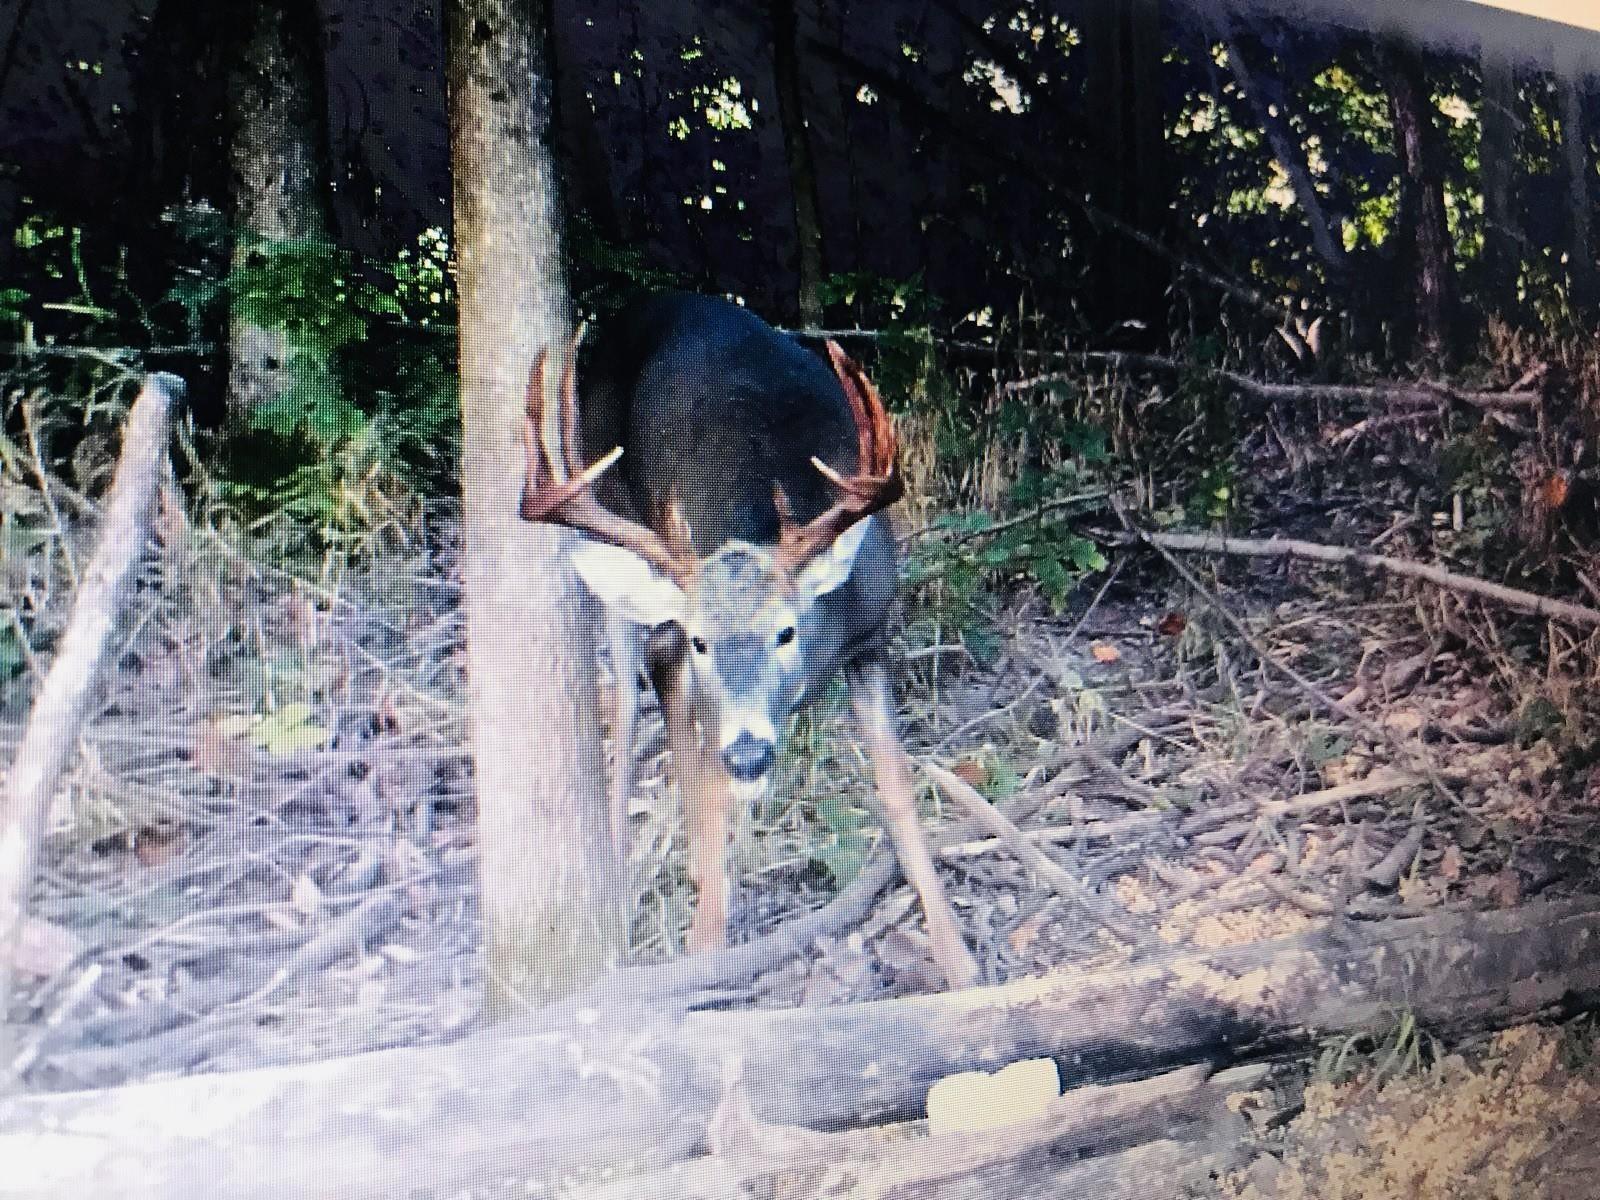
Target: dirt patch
1512, 1120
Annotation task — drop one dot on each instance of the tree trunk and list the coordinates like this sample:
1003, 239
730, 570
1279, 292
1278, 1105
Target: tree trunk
1429, 256
278, 174
553, 909
797, 153
1500, 113
1572, 80
1123, 41
1265, 95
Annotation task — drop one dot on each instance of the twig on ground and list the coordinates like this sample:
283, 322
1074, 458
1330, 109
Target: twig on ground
1031, 857
1306, 686
1386, 872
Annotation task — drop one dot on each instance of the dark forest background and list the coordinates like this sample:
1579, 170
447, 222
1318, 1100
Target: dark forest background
257, 196
1068, 162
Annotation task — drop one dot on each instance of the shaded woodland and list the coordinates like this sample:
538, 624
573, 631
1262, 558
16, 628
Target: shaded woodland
1245, 367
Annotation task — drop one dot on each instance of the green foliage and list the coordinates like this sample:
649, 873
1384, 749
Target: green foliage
607, 274
848, 840
1405, 1049
425, 279
310, 290
371, 398
11, 301
1540, 719
286, 731
1215, 495
951, 576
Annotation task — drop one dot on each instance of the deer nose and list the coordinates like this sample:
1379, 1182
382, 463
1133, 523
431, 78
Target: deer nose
748, 758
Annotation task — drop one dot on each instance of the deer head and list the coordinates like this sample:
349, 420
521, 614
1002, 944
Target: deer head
745, 619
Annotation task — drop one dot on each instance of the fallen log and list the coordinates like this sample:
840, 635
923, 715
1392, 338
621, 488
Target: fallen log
633, 1087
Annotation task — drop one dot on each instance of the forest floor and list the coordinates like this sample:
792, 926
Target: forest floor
266, 852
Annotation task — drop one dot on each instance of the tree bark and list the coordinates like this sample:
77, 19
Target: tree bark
787, 81
1582, 272
1501, 118
279, 173
553, 908
1422, 213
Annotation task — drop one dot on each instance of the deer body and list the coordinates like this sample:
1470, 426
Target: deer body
737, 528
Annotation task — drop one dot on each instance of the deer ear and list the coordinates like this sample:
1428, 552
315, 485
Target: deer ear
621, 580
828, 570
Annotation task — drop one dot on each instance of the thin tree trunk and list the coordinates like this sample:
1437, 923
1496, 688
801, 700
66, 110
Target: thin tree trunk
797, 153
1502, 232
1571, 79
1265, 96
553, 913
1422, 212
278, 171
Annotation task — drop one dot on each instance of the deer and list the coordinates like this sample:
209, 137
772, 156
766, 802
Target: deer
727, 481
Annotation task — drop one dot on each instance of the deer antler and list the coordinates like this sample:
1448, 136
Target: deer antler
564, 494
876, 484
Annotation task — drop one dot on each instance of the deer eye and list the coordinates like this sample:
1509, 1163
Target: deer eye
786, 635
699, 644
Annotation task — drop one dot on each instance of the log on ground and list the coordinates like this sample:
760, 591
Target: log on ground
634, 1087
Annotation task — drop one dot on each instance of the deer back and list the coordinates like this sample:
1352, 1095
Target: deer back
713, 408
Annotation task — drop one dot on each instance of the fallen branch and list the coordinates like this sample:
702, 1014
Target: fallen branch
1422, 393
1514, 598
593, 1083
62, 703
1044, 1156
1055, 876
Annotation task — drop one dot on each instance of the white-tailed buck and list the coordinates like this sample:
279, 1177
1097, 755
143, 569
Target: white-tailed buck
728, 479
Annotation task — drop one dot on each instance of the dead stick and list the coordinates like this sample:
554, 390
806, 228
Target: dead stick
59, 709
1036, 860
1514, 598
1306, 687
1421, 393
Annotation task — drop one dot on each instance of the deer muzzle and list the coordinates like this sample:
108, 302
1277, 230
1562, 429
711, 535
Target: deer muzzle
748, 758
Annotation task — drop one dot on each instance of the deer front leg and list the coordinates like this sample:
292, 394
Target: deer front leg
871, 698
706, 801
624, 637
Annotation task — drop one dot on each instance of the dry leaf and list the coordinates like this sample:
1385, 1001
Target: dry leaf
159, 843
1507, 889
1021, 938
1172, 624
1450, 863
1105, 652
972, 772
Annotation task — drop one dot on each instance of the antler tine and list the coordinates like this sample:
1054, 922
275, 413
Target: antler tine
565, 496
571, 442
876, 484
